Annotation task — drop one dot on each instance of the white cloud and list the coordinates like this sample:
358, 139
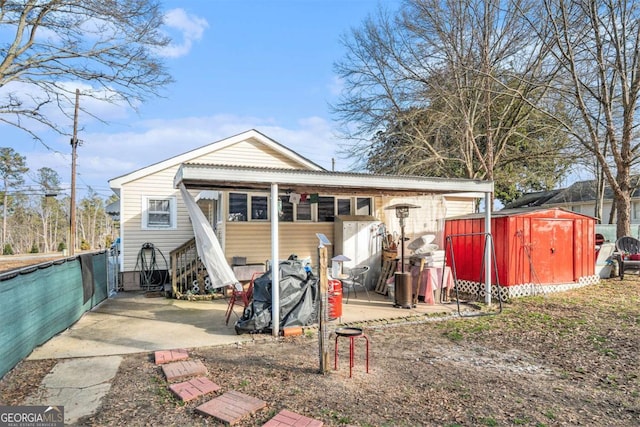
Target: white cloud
185, 28
106, 155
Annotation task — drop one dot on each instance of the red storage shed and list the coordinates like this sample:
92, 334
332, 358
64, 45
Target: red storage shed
537, 250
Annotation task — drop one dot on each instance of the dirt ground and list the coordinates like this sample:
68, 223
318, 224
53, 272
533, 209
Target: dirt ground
565, 359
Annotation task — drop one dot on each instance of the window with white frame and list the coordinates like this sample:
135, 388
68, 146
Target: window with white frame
326, 208
255, 207
285, 209
363, 206
343, 206
635, 211
158, 212
259, 207
303, 211
248, 207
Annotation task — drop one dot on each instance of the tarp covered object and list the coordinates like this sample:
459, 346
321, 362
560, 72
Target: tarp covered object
209, 250
298, 300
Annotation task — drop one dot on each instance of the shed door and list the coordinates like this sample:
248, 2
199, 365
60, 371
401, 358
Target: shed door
553, 250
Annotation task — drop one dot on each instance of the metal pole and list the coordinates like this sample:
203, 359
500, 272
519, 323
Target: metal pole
488, 255
72, 207
275, 263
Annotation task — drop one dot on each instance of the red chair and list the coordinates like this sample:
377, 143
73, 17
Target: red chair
243, 295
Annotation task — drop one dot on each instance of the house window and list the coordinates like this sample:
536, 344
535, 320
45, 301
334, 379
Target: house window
255, 207
344, 206
158, 213
259, 207
636, 211
363, 206
285, 209
326, 209
303, 211
244, 207
237, 207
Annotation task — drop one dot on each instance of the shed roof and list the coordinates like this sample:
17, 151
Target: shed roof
532, 211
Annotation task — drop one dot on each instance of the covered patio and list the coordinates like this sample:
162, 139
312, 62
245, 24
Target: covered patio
194, 176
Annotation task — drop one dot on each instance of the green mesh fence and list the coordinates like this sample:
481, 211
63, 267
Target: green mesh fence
39, 303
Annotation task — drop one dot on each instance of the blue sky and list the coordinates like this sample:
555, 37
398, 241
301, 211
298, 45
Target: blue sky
238, 65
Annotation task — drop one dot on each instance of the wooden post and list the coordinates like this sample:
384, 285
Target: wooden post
323, 337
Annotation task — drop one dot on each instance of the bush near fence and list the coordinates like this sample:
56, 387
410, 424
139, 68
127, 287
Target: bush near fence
38, 302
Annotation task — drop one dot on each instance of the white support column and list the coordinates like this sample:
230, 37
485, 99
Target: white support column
275, 263
488, 253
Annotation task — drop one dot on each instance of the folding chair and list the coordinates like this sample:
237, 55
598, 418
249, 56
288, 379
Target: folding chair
243, 295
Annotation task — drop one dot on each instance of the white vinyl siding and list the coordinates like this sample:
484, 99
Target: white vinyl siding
160, 185
253, 240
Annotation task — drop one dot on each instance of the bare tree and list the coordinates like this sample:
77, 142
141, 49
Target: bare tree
111, 46
597, 44
472, 66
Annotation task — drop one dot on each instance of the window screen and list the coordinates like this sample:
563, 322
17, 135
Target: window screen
259, 207
303, 211
326, 209
285, 209
237, 207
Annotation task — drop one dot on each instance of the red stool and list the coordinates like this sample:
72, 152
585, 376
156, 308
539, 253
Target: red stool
352, 334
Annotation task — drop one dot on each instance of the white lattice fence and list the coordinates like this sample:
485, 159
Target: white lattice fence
526, 289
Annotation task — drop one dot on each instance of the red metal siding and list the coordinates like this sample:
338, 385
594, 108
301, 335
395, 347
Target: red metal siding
542, 247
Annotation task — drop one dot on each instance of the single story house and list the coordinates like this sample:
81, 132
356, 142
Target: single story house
235, 181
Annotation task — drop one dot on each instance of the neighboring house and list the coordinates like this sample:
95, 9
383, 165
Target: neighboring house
579, 197
233, 180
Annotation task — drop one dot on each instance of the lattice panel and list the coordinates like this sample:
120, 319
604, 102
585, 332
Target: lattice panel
526, 289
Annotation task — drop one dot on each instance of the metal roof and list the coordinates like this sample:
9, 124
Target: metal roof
225, 177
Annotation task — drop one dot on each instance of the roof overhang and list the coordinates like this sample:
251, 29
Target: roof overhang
222, 177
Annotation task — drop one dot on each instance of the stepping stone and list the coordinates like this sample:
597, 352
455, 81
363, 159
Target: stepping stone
231, 407
189, 390
286, 418
184, 369
166, 356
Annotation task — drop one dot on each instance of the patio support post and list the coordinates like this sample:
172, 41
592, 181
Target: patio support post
487, 247
275, 263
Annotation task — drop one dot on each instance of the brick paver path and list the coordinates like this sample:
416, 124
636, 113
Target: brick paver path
231, 407
196, 387
286, 418
166, 356
184, 369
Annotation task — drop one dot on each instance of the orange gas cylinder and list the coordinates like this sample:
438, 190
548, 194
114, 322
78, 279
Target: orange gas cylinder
335, 298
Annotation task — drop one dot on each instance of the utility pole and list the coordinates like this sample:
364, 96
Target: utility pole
74, 155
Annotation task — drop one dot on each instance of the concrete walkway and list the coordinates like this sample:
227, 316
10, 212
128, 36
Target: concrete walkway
91, 349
